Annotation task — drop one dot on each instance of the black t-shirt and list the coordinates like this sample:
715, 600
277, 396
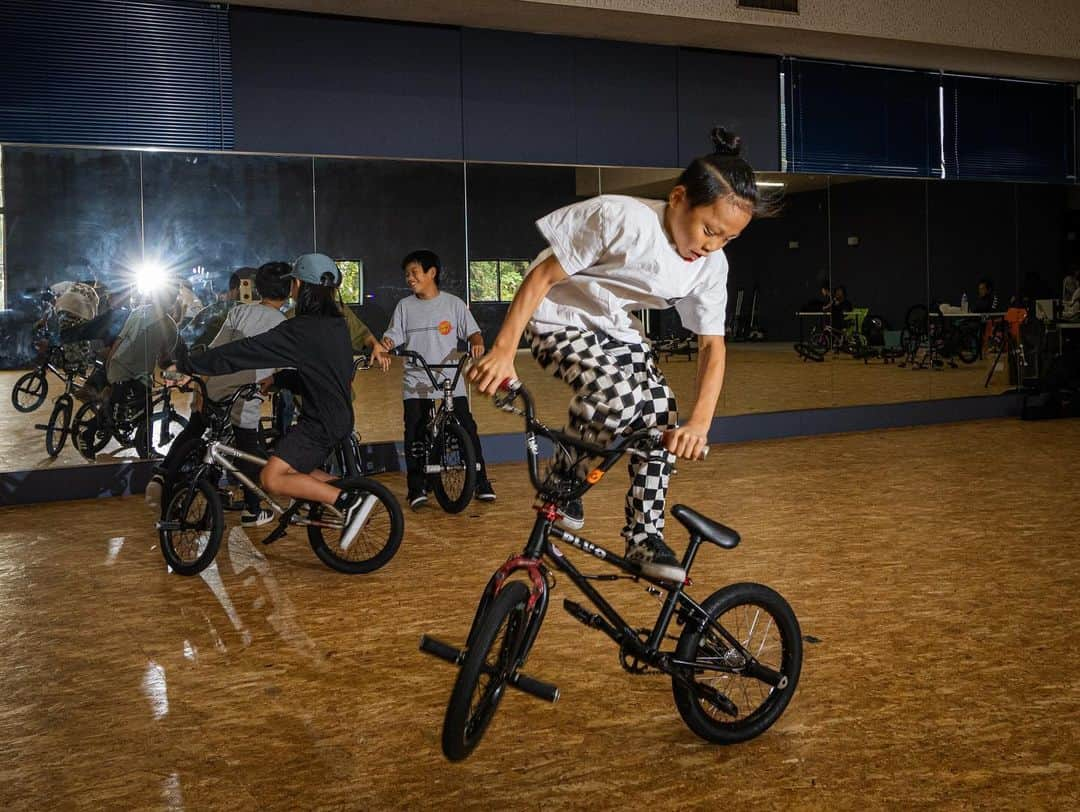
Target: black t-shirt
320, 350
838, 311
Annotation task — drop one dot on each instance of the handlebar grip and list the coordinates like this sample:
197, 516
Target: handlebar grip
173, 376
704, 452
510, 385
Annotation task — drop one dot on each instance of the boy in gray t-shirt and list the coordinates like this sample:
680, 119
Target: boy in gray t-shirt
432, 323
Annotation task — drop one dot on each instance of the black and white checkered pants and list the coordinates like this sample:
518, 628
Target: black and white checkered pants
618, 389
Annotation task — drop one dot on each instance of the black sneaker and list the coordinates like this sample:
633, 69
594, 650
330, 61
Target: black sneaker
355, 507
484, 492
257, 519
417, 499
656, 559
572, 515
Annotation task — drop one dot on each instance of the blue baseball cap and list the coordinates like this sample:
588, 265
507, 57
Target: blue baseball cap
316, 269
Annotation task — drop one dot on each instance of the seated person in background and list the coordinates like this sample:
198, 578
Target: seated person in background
272, 281
432, 323
839, 307
986, 300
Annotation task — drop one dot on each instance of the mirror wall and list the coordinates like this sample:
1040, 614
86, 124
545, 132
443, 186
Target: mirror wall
899, 248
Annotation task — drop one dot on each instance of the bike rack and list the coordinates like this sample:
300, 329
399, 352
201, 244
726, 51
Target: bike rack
523, 682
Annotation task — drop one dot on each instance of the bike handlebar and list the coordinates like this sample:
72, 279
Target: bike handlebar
640, 442
249, 391
420, 361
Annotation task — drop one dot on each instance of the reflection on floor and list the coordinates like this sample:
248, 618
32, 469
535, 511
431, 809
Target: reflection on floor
938, 584
760, 378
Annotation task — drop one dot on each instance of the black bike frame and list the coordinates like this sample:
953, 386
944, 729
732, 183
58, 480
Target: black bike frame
540, 548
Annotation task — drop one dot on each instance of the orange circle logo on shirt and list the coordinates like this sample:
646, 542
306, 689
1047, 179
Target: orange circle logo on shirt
444, 328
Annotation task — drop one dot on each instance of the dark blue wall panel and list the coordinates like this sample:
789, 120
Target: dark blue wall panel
738, 91
342, 86
518, 97
625, 97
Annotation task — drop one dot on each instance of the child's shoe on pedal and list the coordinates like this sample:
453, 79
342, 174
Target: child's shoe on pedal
354, 509
656, 559
572, 515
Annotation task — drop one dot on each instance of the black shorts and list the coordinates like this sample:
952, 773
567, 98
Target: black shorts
304, 447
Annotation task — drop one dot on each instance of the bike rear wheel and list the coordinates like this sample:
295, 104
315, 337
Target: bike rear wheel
488, 665
193, 523
30, 391
453, 452
56, 432
378, 539
766, 627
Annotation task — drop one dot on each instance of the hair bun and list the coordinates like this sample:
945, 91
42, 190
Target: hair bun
725, 142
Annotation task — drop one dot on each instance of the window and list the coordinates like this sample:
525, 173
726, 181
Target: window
352, 280
496, 280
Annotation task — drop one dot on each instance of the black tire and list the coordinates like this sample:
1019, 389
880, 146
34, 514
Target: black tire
784, 656
481, 681
196, 507
29, 391
162, 433
377, 542
453, 452
88, 419
59, 426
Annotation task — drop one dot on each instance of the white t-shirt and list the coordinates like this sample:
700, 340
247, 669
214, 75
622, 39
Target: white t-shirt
620, 259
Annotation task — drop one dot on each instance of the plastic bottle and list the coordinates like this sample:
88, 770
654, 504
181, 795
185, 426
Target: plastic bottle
964, 303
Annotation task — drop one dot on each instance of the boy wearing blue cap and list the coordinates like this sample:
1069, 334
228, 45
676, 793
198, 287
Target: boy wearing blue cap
316, 343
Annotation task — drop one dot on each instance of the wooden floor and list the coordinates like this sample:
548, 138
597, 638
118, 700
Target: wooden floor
760, 378
936, 570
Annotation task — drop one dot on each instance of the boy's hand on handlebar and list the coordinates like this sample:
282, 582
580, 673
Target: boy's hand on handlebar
379, 355
687, 442
491, 370
476, 351
387, 343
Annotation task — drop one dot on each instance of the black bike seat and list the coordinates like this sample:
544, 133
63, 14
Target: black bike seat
705, 528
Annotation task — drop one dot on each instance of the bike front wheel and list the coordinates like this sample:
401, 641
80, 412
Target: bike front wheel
489, 664
453, 452
56, 432
30, 391
767, 629
378, 539
192, 524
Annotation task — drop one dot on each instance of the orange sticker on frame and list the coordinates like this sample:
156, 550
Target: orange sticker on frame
595, 475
